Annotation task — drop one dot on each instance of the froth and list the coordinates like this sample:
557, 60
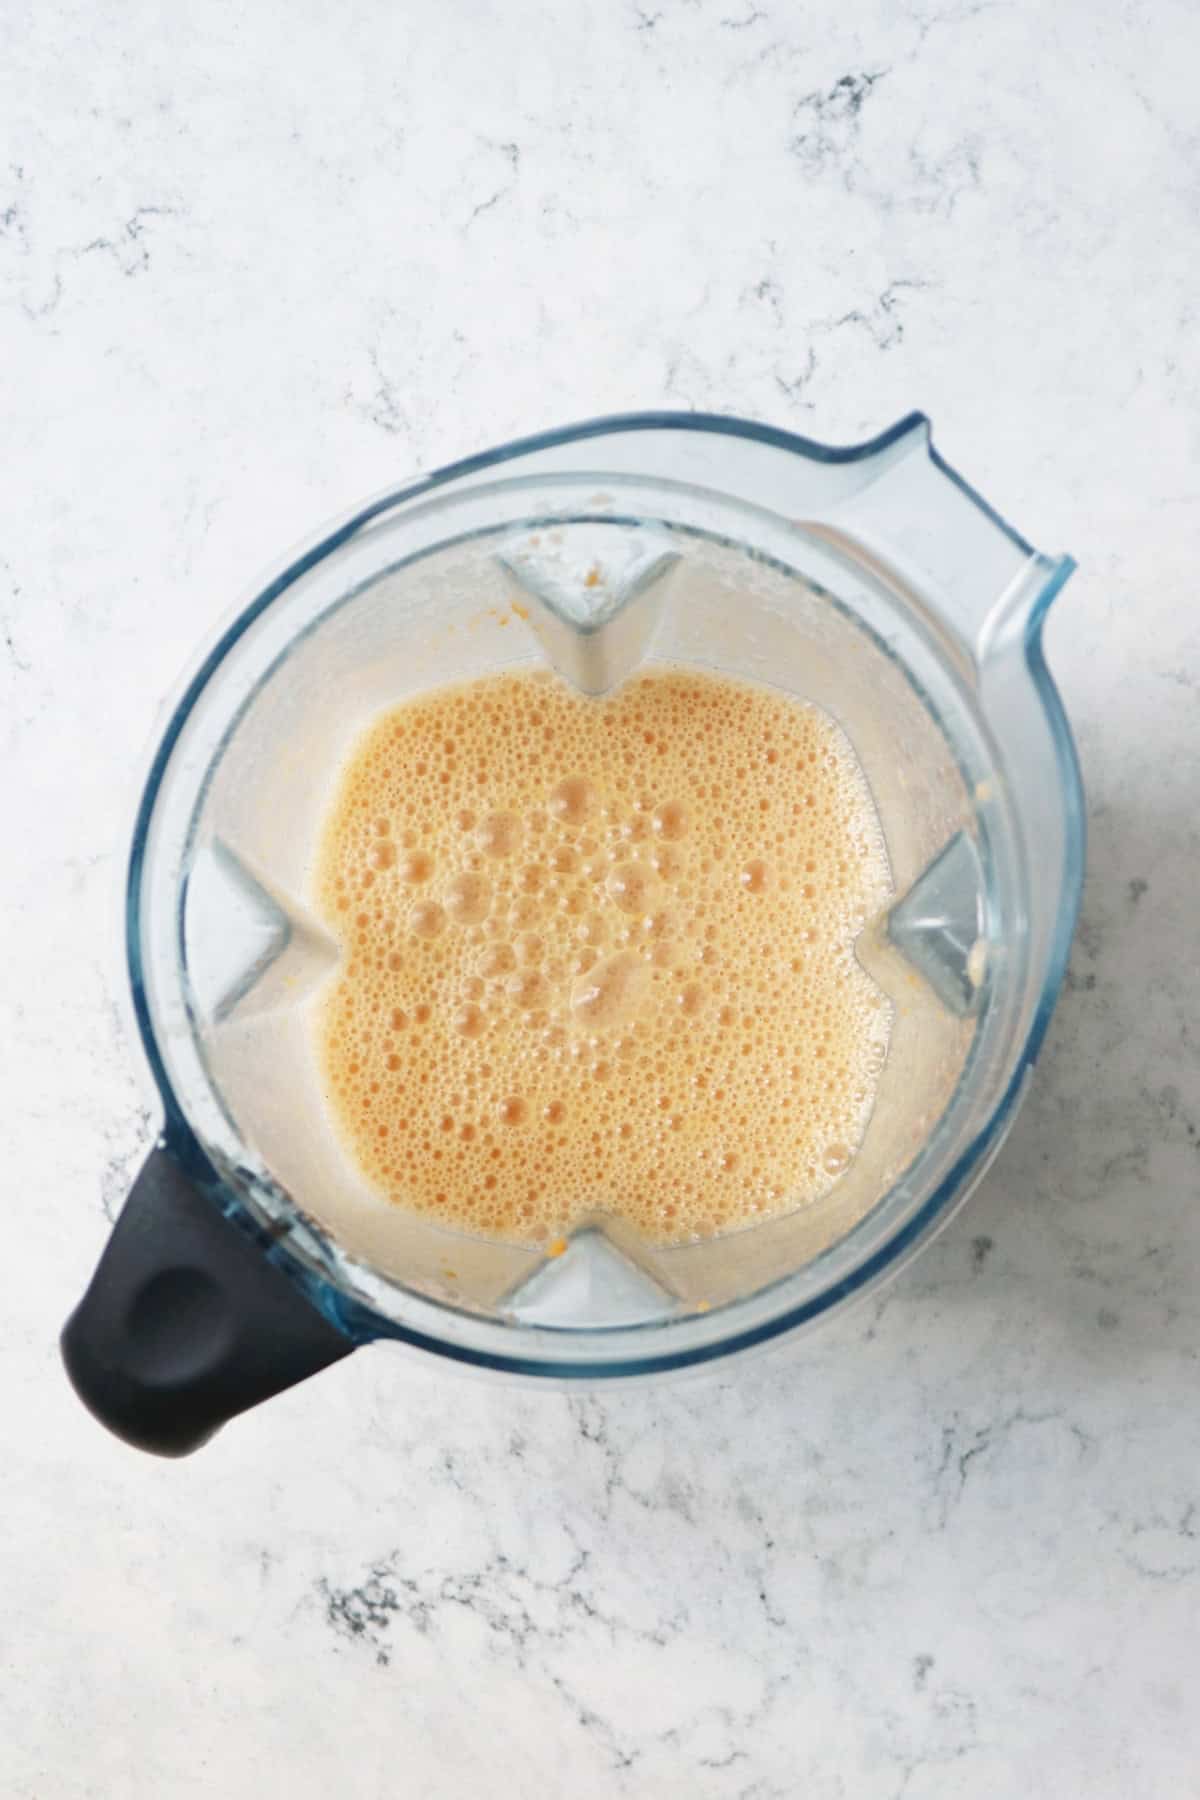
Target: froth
598, 954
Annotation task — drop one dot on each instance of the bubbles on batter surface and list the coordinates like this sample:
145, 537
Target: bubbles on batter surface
499, 834
426, 919
598, 955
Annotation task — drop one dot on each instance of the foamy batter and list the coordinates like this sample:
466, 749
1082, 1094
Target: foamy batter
597, 954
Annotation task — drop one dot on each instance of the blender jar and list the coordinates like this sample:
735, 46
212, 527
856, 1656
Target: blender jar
871, 581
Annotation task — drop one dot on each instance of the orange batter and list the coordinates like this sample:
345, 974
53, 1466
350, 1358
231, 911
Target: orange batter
598, 954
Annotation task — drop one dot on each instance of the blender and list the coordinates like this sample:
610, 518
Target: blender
871, 581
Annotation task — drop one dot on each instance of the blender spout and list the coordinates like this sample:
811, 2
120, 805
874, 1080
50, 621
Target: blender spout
929, 532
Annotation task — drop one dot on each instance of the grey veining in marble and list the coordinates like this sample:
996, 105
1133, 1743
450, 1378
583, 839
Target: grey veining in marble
258, 262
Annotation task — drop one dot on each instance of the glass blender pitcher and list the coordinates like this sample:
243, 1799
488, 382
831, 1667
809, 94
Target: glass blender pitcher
871, 581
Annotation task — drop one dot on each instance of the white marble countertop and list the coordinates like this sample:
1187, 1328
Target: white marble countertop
258, 262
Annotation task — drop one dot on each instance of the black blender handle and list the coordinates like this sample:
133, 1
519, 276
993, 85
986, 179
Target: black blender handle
186, 1323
